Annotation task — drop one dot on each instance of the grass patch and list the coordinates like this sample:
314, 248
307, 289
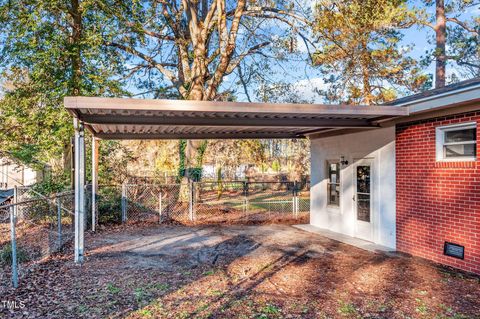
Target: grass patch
160, 286
113, 289
209, 273
270, 309
421, 307
145, 313
347, 309
6, 255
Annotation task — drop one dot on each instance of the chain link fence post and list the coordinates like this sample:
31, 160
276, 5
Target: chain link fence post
124, 203
14, 247
245, 199
160, 206
190, 200
15, 200
59, 222
294, 202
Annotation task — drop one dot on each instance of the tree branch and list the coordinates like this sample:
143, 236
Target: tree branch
150, 33
161, 67
244, 84
463, 25
252, 50
262, 10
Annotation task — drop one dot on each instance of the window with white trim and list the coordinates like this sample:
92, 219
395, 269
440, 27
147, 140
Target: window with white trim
457, 142
333, 183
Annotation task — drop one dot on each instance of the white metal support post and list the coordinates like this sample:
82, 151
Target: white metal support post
95, 148
79, 190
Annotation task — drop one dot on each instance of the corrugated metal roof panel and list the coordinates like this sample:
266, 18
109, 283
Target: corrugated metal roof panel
113, 118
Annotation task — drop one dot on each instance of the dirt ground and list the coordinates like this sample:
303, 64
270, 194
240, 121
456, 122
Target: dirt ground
266, 271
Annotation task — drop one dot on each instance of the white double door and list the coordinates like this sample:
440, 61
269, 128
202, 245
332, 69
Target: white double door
362, 198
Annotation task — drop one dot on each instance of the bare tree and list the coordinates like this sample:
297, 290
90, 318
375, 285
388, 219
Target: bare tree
194, 44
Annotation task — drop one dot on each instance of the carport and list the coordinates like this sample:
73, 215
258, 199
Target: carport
124, 119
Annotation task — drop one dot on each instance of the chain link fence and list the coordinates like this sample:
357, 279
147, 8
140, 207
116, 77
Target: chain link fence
303, 198
31, 230
217, 202
154, 202
35, 226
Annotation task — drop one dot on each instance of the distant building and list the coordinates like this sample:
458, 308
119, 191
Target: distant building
14, 174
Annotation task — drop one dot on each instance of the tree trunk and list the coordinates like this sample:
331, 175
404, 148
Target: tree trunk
193, 151
440, 34
76, 61
367, 89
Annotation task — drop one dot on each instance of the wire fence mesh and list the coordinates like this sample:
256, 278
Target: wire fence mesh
219, 202
32, 230
216, 202
35, 226
154, 202
303, 198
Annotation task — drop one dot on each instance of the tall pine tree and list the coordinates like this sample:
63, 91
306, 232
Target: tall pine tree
359, 47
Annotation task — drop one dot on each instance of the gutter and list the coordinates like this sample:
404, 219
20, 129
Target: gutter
440, 95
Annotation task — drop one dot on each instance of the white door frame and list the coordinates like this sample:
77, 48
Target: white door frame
362, 229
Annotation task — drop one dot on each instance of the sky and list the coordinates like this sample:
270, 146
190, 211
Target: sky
306, 78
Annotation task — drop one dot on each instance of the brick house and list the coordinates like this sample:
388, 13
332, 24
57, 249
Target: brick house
413, 184
401, 175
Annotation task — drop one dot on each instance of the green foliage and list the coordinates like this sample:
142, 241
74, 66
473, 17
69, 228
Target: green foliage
182, 145
464, 49
360, 50
31, 131
52, 184
111, 288
347, 309
201, 152
109, 206
271, 309
6, 255
276, 166
113, 161
193, 173
50, 49
462, 45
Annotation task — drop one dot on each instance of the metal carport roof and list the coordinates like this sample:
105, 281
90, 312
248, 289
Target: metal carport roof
128, 118
117, 118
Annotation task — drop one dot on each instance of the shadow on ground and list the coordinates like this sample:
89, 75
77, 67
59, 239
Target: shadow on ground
268, 271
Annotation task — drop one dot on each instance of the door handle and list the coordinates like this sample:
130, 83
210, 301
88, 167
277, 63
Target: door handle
353, 198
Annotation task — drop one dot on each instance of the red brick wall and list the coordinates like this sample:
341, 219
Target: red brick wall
436, 202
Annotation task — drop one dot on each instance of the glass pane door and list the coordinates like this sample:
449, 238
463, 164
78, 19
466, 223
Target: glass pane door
363, 193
